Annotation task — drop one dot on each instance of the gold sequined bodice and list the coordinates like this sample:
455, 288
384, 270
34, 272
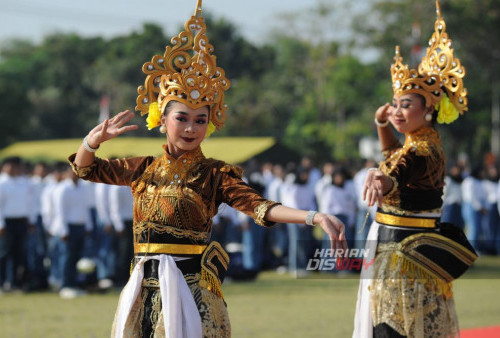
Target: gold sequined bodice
176, 199
166, 201
417, 170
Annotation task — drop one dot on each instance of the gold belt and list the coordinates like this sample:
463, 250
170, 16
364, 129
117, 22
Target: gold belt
405, 221
171, 249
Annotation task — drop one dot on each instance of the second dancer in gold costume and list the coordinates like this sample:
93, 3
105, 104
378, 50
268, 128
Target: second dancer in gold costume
407, 291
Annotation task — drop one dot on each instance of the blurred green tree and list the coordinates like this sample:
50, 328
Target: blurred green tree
314, 86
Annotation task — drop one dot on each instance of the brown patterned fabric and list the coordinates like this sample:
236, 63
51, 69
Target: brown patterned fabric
174, 202
177, 198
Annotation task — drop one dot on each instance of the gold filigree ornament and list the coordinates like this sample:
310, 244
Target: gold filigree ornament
187, 73
439, 75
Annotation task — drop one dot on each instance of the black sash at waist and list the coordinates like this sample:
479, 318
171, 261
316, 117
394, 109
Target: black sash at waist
187, 266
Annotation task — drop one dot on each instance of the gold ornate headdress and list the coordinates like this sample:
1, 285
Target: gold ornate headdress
186, 73
439, 78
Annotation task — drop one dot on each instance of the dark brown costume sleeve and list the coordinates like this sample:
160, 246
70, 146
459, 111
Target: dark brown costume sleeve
118, 172
239, 195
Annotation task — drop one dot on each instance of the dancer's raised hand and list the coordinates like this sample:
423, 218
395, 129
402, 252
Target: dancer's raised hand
111, 128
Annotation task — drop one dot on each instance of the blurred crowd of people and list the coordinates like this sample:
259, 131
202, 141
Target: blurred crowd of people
61, 233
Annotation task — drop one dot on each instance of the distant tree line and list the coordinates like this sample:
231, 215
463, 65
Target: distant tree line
316, 95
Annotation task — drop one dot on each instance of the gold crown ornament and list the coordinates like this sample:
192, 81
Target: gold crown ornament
187, 73
439, 78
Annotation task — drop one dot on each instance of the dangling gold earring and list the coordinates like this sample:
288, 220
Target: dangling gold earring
428, 117
163, 129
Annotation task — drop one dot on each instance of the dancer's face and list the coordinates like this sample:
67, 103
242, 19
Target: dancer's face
186, 127
407, 113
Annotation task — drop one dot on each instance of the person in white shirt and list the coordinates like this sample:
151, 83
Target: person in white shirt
274, 186
452, 197
16, 216
72, 225
104, 240
339, 199
299, 194
225, 224
278, 233
3, 175
37, 240
253, 236
352, 205
121, 203
473, 205
364, 214
267, 173
324, 181
90, 198
314, 174
492, 218
46, 201
55, 244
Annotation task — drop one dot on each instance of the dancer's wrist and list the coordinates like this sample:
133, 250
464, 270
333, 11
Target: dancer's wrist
89, 145
381, 123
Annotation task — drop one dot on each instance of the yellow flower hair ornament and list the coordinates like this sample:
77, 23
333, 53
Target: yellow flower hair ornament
447, 112
210, 129
154, 116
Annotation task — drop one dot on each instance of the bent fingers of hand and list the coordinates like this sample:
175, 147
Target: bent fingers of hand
127, 128
124, 117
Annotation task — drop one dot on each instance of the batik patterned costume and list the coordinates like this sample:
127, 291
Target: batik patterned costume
174, 203
175, 285
406, 292
407, 298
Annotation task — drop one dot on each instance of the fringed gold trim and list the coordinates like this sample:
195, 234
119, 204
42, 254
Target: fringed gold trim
210, 273
437, 240
411, 269
81, 171
261, 210
395, 185
211, 283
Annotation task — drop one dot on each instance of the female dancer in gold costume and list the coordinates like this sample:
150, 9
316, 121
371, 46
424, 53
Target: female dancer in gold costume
175, 286
407, 292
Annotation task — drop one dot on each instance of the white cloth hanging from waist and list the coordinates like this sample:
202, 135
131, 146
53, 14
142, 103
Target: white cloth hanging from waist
363, 323
180, 314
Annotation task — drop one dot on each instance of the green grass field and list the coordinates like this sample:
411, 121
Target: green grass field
272, 306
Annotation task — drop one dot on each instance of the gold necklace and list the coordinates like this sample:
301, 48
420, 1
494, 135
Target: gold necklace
417, 142
174, 171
